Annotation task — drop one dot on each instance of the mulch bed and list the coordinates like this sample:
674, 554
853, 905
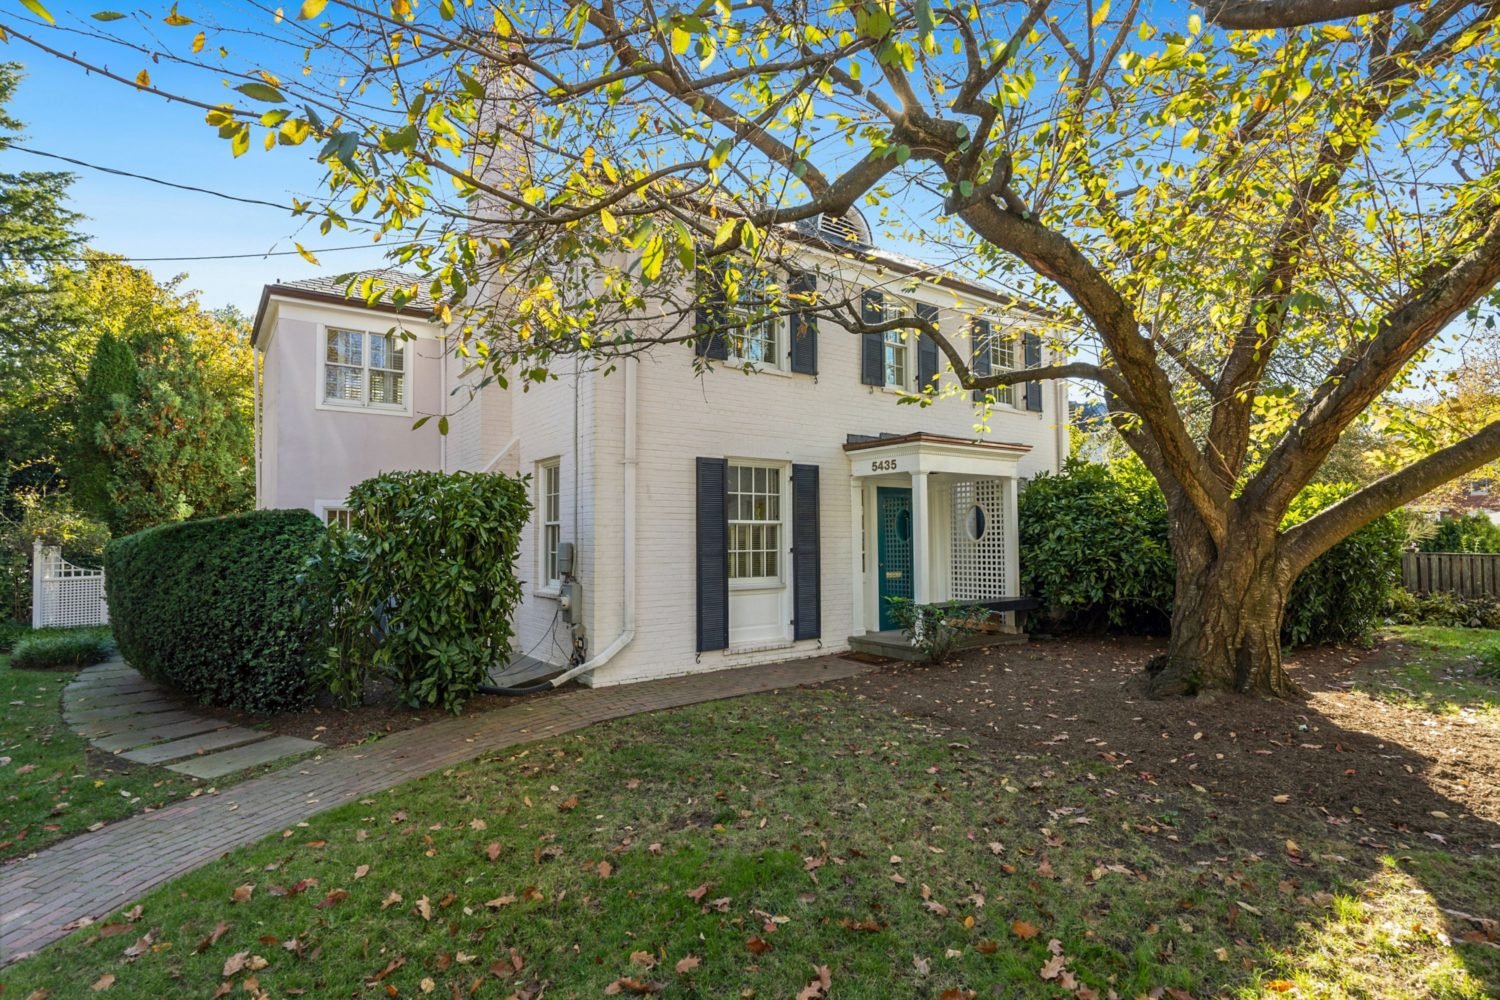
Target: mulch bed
1381, 774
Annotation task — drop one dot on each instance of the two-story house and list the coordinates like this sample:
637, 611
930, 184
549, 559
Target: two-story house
688, 520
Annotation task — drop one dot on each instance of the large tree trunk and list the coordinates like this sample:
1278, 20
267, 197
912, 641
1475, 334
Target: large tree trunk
1226, 615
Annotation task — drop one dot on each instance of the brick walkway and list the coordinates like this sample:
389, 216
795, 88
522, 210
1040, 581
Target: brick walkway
94, 874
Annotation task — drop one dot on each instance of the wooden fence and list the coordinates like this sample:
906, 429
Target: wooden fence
1472, 574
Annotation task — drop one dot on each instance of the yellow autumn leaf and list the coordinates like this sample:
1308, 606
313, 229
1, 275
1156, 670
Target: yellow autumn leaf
143, 79
198, 41
306, 253
608, 221
311, 9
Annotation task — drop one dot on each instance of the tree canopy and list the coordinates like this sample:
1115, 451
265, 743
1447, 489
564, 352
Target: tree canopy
1245, 222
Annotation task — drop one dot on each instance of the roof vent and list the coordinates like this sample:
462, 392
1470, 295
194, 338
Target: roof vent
847, 228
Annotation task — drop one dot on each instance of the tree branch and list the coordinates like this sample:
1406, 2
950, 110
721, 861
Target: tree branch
1256, 14
1310, 539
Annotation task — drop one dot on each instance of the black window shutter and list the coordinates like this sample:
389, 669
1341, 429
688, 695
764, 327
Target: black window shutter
713, 554
806, 569
804, 324
927, 349
979, 336
872, 349
708, 322
1032, 348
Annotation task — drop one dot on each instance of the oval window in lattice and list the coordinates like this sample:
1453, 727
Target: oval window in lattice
903, 526
974, 522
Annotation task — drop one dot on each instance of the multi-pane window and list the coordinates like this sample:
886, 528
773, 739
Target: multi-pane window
551, 507
754, 522
896, 345
364, 369
341, 516
1002, 359
753, 335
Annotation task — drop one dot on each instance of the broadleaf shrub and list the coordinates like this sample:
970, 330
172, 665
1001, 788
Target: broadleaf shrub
1343, 594
1468, 533
424, 587
211, 607
936, 629
1095, 549
1444, 609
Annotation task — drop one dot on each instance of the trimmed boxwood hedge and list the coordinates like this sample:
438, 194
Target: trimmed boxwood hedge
210, 607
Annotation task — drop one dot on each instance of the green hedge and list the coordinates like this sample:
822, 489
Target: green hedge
1095, 550
209, 607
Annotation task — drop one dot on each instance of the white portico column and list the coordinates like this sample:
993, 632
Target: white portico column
921, 543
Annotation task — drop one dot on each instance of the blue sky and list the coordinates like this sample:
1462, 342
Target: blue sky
90, 118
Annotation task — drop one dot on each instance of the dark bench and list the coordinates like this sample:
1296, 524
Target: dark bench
1019, 605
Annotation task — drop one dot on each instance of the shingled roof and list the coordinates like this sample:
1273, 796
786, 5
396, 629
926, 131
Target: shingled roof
350, 289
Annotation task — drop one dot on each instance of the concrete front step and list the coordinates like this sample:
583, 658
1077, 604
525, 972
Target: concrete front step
216, 765
893, 644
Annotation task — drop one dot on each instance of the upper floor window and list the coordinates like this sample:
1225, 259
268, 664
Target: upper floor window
364, 369
754, 337
896, 345
1002, 349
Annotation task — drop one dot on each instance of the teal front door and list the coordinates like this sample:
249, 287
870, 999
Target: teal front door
893, 545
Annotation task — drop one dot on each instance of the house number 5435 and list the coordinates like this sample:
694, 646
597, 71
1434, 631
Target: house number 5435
883, 465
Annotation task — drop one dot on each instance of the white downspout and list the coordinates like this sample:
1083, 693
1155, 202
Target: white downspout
627, 626
443, 399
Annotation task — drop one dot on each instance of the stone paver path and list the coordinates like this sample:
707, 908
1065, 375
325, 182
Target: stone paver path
120, 712
94, 874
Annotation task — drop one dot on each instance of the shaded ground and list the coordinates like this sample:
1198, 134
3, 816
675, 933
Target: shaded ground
1015, 825
1387, 775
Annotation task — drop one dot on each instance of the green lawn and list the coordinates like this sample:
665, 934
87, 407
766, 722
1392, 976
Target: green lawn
1444, 670
51, 786
751, 848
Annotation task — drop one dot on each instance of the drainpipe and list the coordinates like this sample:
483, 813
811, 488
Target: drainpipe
255, 414
627, 629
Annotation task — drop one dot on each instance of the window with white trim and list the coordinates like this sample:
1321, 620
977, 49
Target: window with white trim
755, 526
896, 345
549, 485
1002, 359
341, 516
364, 369
753, 336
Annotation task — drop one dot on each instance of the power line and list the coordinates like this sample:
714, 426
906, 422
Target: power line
213, 256
142, 177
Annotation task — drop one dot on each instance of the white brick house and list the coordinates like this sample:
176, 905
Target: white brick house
717, 520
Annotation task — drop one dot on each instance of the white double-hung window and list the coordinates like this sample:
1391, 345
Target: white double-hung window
1002, 359
364, 369
549, 485
754, 337
755, 524
896, 345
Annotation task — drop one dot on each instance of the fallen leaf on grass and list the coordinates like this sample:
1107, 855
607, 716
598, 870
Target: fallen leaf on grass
1053, 968
110, 930
390, 900
104, 982
697, 894
242, 893
1024, 930
424, 908
922, 965
361, 871
644, 959
1281, 985
758, 945
141, 946
633, 985
220, 929
500, 901
134, 913
492, 851
605, 869
687, 963
334, 898
234, 963
817, 987
390, 967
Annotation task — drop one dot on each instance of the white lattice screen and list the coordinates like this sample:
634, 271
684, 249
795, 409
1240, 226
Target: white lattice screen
64, 595
978, 540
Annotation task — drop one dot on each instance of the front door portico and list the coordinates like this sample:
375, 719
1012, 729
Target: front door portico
913, 540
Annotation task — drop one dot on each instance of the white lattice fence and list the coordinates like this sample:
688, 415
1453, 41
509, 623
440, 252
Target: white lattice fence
64, 595
979, 565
